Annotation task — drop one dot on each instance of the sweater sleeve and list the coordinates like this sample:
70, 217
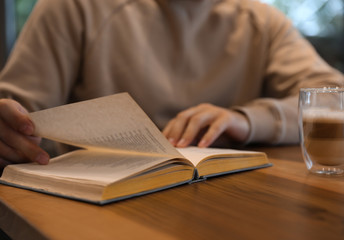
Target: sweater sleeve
292, 64
45, 61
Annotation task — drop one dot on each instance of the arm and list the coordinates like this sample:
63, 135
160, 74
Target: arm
272, 118
292, 64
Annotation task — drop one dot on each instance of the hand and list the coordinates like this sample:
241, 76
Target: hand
184, 128
17, 143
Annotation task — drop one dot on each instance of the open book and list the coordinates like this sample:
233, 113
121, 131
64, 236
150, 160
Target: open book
122, 154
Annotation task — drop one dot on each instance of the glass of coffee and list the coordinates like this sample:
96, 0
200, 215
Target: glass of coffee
321, 124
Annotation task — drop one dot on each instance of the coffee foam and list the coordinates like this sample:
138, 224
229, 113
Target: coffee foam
325, 114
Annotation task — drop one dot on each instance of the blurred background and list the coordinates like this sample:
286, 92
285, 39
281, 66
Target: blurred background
320, 21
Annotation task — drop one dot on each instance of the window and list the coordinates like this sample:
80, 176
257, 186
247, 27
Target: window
23, 9
322, 22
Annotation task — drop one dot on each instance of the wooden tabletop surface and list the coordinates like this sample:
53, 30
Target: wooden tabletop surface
279, 202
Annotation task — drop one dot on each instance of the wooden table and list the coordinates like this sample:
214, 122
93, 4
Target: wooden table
280, 202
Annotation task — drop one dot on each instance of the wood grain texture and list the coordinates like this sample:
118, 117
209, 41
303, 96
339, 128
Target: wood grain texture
280, 202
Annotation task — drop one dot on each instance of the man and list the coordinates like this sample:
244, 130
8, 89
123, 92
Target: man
200, 69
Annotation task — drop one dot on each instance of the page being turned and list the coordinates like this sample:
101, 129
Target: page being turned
114, 122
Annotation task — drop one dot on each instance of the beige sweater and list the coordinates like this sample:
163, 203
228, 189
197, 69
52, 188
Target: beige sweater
169, 55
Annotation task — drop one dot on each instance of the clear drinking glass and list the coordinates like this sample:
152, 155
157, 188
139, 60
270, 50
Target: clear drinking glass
321, 124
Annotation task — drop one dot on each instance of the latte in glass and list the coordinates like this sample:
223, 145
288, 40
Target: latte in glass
323, 133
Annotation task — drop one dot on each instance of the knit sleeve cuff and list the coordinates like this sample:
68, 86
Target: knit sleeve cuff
265, 123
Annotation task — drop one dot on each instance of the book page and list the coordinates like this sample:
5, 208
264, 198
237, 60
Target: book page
196, 154
112, 122
91, 166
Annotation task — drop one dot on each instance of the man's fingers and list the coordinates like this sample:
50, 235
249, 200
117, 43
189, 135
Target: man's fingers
167, 130
15, 116
214, 131
194, 126
17, 143
20, 144
10, 154
187, 125
176, 127
34, 139
3, 163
